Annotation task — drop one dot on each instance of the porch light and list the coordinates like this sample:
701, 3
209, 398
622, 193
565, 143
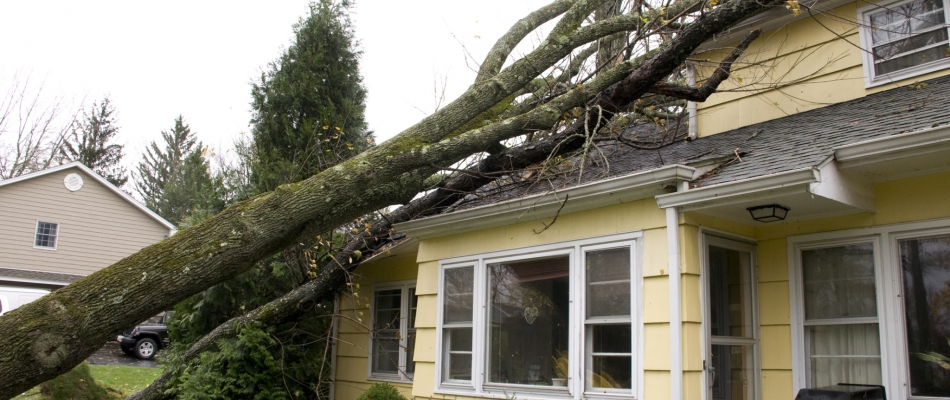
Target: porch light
769, 213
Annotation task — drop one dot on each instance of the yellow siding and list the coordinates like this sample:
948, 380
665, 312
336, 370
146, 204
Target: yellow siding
804, 65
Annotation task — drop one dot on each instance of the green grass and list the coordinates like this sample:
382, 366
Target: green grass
118, 381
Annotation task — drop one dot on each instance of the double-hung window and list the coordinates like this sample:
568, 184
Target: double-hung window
557, 321
45, 235
874, 309
393, 334
904, 38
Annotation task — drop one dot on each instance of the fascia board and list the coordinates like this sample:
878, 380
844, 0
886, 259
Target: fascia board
740, 191
631, 187
767, 20
893, 147
101, 180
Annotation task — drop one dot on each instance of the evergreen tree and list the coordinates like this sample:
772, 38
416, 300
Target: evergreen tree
308, 107
89, 143
177, 181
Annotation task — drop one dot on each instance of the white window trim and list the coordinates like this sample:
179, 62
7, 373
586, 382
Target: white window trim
405, 304
711, 237
36, 232
575, 387
894, 367
870, 80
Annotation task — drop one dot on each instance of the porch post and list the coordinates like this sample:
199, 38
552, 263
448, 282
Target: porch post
676, 317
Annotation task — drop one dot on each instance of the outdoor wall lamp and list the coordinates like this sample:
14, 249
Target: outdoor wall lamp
769, 213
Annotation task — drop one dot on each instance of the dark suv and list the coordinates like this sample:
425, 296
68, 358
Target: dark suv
147, 338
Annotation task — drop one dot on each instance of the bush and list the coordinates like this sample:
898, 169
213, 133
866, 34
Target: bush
381, 391
77, 384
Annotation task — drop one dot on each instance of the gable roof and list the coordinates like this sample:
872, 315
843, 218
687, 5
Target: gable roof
101, 180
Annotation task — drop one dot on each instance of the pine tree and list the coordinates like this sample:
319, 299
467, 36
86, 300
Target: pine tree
176, 181
308, 107
89, 143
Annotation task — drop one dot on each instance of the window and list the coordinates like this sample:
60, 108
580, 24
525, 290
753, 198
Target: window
553, 320
45, 235
868, 313
904, 39
393, 335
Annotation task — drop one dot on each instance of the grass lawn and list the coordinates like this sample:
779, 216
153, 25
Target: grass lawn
121, 381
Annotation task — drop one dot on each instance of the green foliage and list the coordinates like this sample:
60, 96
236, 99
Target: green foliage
89, 143
176, 181
308, 107
381, 391
77, 384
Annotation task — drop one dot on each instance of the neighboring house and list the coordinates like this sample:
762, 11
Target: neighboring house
846, 279
63, 223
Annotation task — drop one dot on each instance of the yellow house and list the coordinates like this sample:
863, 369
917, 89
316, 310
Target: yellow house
806, 228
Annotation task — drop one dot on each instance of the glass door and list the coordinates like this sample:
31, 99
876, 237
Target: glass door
731, 323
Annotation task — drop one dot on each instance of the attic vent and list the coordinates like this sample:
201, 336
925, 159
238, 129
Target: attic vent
73, 182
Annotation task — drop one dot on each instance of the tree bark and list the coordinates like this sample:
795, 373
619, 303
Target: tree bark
51, 335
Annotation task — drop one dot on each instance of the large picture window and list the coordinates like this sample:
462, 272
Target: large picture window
393, 335
925, 272
555, 320
905, 38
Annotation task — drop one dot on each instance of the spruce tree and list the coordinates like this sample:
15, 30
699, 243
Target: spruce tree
308, 106
89, 143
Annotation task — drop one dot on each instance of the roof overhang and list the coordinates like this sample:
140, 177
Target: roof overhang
125, 196
594, 195
898, 156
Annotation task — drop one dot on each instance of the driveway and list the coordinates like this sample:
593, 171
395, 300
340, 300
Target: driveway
110, 354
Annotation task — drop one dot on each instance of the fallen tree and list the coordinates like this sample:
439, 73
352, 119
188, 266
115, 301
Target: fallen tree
51, 335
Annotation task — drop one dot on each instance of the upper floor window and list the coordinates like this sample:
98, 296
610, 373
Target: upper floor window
552, 321
904, 39
45, 235
394, 331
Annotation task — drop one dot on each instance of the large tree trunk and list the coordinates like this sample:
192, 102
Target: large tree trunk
53, 334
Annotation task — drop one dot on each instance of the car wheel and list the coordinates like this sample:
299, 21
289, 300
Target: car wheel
145, 348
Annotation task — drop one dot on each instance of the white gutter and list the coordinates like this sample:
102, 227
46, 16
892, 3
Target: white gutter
676, 317
594, 195
895, 147
795, 181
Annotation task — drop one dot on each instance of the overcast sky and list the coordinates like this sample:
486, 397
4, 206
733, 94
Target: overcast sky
157, 60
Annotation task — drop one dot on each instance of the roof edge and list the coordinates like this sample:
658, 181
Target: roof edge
618, 190
893, 147
741, 189
76, 164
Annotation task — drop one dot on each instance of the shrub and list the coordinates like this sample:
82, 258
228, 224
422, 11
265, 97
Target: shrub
381, 391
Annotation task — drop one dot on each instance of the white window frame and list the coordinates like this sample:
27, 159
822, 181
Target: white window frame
872, 80
36, 233
405, 303
895, 370
576, 386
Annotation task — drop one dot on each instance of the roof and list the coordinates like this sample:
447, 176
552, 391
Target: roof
37, 276
125, 196
781, 145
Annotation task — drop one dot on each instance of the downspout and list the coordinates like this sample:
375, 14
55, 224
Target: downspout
334, 332
693, 128
676, 317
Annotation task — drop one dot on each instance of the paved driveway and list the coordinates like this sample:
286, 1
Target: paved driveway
110, 354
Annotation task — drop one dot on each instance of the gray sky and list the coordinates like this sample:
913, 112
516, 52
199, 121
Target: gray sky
157, 60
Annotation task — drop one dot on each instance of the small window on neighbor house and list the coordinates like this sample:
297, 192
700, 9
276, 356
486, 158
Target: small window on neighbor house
906, 38
46, 235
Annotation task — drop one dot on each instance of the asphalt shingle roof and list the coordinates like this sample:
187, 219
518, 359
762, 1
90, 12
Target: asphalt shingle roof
38, 275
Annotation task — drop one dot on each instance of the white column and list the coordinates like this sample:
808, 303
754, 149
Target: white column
676, 317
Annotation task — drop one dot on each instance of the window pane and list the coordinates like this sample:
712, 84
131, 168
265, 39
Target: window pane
45, 234
410, 350
460, 367
459, 284
459, 339
730, 292
732, 372
925, 266
608, 282
613, 372
457, 353
843, 354
386, 355
611, 338
907, 27
388, 305
528, 319
839, 282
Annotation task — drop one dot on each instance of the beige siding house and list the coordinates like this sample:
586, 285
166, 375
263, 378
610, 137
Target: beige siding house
66, 222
